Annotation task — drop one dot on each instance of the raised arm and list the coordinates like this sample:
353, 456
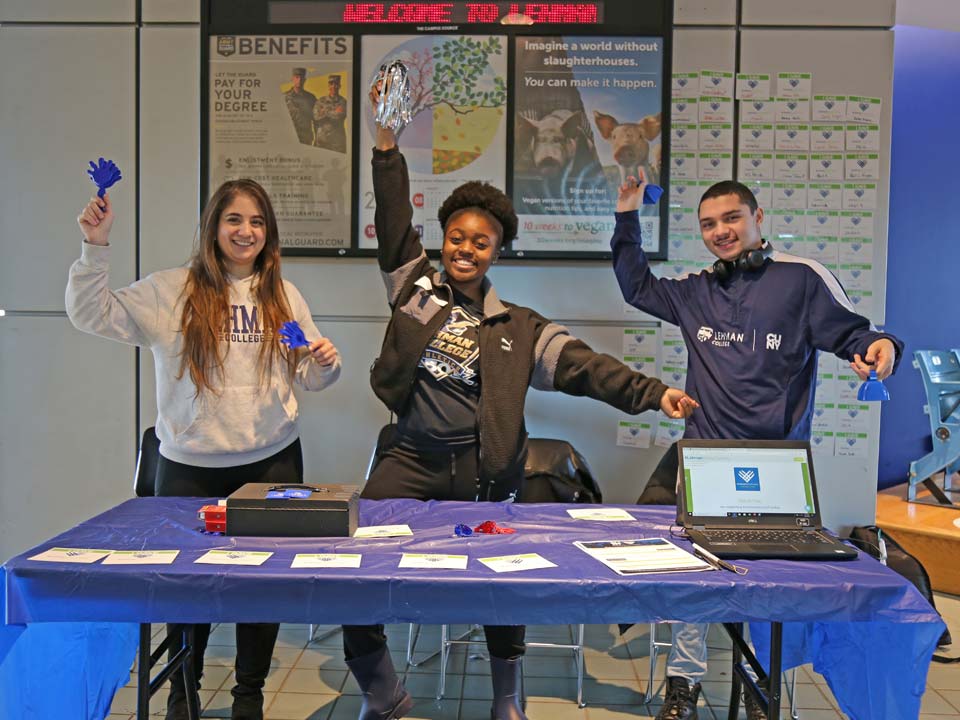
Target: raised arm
128, 315
640, 288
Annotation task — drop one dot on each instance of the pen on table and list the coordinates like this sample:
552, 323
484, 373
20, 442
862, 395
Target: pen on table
713, 559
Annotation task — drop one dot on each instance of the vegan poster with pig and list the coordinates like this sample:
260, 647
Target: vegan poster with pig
587, 116
458, 96
280, 114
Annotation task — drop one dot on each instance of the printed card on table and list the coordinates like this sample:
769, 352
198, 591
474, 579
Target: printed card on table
141, 557
600, 514
326, 560
70, 555
381, 531
233, 557
516, 563
433, 561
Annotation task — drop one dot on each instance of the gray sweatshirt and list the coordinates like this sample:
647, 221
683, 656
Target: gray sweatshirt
241, 423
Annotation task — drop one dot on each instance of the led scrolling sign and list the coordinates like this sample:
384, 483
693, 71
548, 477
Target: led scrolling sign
437, 13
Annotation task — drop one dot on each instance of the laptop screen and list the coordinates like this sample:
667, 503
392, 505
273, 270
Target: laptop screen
748, 481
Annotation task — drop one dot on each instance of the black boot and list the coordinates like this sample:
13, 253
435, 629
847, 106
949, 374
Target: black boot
507, 681
384, 696
680, 701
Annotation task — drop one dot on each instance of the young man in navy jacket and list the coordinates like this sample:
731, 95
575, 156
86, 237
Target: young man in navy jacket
752, 324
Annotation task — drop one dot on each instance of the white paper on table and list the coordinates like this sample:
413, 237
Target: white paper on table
600, 514
826, 166
326, 560
141, 557
633, 433
685, 111
715, 110
642, 556
513, 563
862, 166
756, 137
791, 110
381, 531
436, 561
829, 108
716, 83
70, 555
753, 86
685, 85
758, 111
794, 84
863, 109
233, 557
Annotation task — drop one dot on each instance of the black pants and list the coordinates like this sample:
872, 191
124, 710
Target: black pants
255, 641
404, 472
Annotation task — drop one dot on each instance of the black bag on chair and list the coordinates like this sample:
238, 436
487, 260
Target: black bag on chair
556, 472
867, 538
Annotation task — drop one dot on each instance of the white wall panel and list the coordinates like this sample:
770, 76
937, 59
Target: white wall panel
67, 98
822, 13
97, 11
67, 449
696, 49
170, 11
169, 145
705, 12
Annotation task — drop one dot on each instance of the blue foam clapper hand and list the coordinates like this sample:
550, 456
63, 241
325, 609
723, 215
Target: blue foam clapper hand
652, 193
873, 389
105, 174
292, 335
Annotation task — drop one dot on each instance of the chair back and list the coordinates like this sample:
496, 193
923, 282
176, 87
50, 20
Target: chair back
384, 438
145, 476
556, 472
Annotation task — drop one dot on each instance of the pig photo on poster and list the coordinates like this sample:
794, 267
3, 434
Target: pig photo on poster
587, 116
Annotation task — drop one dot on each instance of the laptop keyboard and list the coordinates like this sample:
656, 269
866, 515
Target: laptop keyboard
752, 537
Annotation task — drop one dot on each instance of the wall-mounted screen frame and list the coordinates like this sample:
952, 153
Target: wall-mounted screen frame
556, 103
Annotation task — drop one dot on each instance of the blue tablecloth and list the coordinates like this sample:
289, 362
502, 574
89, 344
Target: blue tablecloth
859, 603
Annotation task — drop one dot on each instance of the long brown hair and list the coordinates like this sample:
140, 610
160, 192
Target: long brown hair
206, 308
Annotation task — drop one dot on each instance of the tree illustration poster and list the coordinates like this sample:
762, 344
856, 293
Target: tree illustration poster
457, 133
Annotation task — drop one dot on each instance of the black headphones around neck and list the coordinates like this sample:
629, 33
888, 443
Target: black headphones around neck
746, 261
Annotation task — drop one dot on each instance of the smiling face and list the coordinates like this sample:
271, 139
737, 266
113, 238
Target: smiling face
471, 242
728, 227
241, 235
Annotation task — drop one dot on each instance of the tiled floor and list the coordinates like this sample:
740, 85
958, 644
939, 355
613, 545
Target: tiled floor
309, 680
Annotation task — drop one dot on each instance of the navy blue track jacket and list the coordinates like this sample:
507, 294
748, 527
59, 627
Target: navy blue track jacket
752, 341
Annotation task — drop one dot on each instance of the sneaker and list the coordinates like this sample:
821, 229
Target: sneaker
753, 710
680, 700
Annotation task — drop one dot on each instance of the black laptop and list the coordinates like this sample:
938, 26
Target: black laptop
754, 499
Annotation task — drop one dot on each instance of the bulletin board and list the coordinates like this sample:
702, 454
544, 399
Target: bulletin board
556, 103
